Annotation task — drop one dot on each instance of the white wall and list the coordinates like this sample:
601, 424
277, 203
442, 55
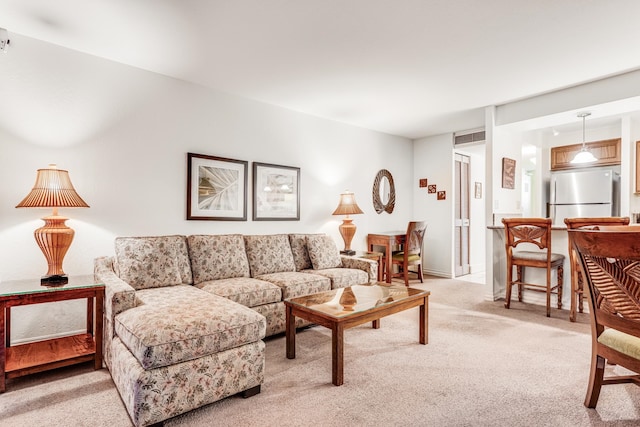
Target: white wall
433, 159
124, 134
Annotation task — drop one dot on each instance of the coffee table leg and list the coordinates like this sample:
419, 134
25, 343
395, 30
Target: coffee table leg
424, 321
290, 320
375, 324
337, 358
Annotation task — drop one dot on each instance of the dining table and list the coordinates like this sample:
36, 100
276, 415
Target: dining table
389, 240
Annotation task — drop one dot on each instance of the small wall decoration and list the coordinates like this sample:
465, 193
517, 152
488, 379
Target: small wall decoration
276, 192
508, 173
442, 195
423, 182
431, 188
478, 190
216, 188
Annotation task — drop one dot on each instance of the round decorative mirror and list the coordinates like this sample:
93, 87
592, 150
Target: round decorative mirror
384, 192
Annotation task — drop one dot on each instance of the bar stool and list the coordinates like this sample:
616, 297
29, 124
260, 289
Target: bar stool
577, 281
534, 231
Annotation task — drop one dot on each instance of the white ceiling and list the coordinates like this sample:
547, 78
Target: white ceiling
406, 67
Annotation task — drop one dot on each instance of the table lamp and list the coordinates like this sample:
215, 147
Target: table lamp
347, 206
53, 189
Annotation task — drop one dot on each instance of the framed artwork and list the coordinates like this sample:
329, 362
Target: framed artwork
216, 188
442, 195
276, 192
431, 188
478, 190
423, 182
508, 173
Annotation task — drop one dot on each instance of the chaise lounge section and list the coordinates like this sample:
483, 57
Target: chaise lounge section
185, 315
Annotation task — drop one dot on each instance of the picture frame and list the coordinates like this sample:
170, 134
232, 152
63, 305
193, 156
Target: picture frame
442, 195
216, 188
432, 188
276, 192
508, 173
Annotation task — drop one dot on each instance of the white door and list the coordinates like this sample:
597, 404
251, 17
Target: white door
461, 215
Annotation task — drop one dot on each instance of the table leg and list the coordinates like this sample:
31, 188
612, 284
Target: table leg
424, 321
3, 350
375, 324
90, 316
388, 252
7, 326
99, 328
290, 321
337, 356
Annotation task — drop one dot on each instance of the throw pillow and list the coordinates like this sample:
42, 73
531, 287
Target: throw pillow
323, 252
300, 252
147, 262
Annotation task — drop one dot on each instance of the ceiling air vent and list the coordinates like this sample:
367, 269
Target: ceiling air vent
469, 137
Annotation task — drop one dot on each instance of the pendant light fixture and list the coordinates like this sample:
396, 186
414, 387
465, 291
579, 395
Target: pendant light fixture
584, 155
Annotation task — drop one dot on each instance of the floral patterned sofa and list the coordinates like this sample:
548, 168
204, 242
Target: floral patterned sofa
185, 315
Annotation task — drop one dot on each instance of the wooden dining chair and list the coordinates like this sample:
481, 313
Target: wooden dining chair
577, 285
411, 253
610, 261
536, 232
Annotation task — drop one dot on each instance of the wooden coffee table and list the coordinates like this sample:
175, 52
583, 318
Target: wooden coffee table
341, 309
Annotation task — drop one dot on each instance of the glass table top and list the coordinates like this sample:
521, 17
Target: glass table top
346, 301
30, 286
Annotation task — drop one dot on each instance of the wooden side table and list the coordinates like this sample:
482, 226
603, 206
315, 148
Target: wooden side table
388, 240
376, 256
29, 358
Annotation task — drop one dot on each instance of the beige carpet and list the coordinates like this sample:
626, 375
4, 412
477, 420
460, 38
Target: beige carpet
484, 366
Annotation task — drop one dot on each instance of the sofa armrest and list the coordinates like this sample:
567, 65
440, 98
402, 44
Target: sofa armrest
369, 266
119, 295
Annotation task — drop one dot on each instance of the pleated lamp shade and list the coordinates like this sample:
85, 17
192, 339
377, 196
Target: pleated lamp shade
53, 188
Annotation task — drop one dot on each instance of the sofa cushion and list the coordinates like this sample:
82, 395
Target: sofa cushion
323, 252
216, 257
342, 277
299, 250
296, 284
179, 323
244, 290
269, 254
150, 262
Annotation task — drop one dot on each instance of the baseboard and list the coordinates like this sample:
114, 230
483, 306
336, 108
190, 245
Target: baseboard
47, 337
438, 273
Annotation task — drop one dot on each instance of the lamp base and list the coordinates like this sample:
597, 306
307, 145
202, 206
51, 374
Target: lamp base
348, 252
54, 280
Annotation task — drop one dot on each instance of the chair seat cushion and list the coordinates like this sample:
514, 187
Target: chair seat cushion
399, 256
536, 256
624, 343
179, 323
244, 290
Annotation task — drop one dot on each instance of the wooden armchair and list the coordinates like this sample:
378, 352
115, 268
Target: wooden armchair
536, 232
610, 262
577, 285
411, 253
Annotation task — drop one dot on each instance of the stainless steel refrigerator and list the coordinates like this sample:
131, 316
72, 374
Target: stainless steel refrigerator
584, 194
